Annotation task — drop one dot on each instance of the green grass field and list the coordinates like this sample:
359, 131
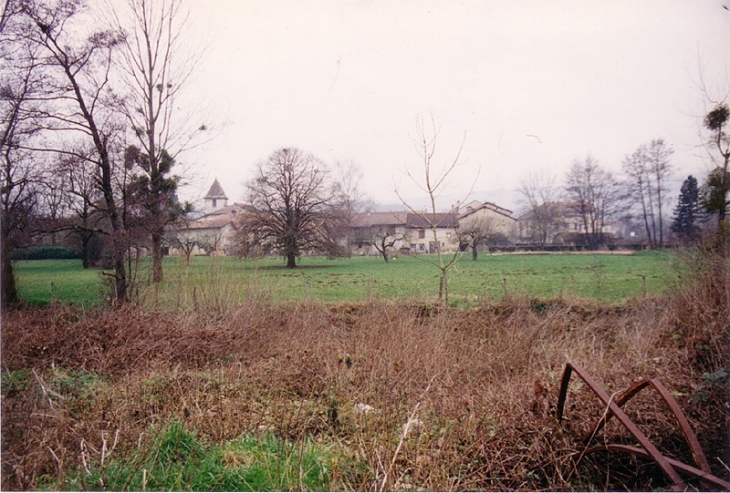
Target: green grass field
222, 281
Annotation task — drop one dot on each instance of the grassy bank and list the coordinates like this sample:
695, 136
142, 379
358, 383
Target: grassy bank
227, 281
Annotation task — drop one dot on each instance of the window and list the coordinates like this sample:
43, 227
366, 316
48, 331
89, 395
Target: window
215, 203
421, 234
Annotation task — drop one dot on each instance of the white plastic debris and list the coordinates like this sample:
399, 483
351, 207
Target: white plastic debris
414, 425
363, 408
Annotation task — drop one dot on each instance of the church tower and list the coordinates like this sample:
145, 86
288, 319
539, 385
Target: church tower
215, 198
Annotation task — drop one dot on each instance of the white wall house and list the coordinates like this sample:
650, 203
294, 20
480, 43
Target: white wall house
488, 216
407, 231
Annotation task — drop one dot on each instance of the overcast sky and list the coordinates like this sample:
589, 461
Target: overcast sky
527, 85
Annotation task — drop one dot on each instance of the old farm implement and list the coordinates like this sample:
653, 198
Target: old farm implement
670, 467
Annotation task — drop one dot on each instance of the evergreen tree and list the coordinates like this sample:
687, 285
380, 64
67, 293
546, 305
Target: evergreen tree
689, 213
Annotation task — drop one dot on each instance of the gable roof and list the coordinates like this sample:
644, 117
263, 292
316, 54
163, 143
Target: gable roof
424, 220
405, 218
370, 219
220, 218
475, 206
216, 191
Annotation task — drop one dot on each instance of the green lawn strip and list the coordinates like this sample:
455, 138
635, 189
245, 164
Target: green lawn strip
178, 460
42, 281
226, 281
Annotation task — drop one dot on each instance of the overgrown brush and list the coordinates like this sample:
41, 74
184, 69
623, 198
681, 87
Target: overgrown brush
402, 395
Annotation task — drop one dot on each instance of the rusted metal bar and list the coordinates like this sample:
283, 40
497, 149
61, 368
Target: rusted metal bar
677, 483
707, 479
689, 434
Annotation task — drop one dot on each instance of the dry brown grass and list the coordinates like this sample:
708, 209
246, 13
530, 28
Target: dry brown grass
482, 382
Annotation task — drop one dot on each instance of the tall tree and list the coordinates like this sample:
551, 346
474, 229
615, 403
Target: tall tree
78, 82
594, 194
20, 90
688, 213
292, 197
22, 86
350, 200
539, 193
155, 67
648, 169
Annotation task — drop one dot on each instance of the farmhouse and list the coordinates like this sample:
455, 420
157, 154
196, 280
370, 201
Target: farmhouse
403, 231
411, 232
494, 222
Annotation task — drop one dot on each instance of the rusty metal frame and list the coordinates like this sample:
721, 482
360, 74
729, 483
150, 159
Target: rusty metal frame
668, 466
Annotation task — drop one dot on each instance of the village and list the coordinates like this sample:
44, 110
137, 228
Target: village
474, 226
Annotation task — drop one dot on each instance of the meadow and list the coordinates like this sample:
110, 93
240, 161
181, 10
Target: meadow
226, 280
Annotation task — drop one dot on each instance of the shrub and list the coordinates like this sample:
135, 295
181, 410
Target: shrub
45, 252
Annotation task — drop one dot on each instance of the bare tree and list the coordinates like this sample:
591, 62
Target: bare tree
476, 231
350, 200
78, 86
210, 241
155, 67
539, 193
432, 181
53, 205
594, 195
20, 90
383, 238
85, 204
292, 199
648, 169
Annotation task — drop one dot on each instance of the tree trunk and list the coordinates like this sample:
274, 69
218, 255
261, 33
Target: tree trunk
474, 252
291, 261
120, 274
85, 241
10, 291
157, 256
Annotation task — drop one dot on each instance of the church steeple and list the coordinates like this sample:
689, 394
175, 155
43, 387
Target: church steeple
215, 198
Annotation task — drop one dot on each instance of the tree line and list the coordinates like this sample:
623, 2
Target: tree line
91, 137
90, 131
595, 195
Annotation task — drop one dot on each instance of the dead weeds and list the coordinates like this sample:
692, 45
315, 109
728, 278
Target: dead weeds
483, 384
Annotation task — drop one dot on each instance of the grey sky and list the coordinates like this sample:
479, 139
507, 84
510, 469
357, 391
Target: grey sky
533, 85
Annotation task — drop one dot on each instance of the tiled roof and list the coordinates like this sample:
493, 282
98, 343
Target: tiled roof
425, 219
475, 206
220, 218
233, 208
403, 218
369, 219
